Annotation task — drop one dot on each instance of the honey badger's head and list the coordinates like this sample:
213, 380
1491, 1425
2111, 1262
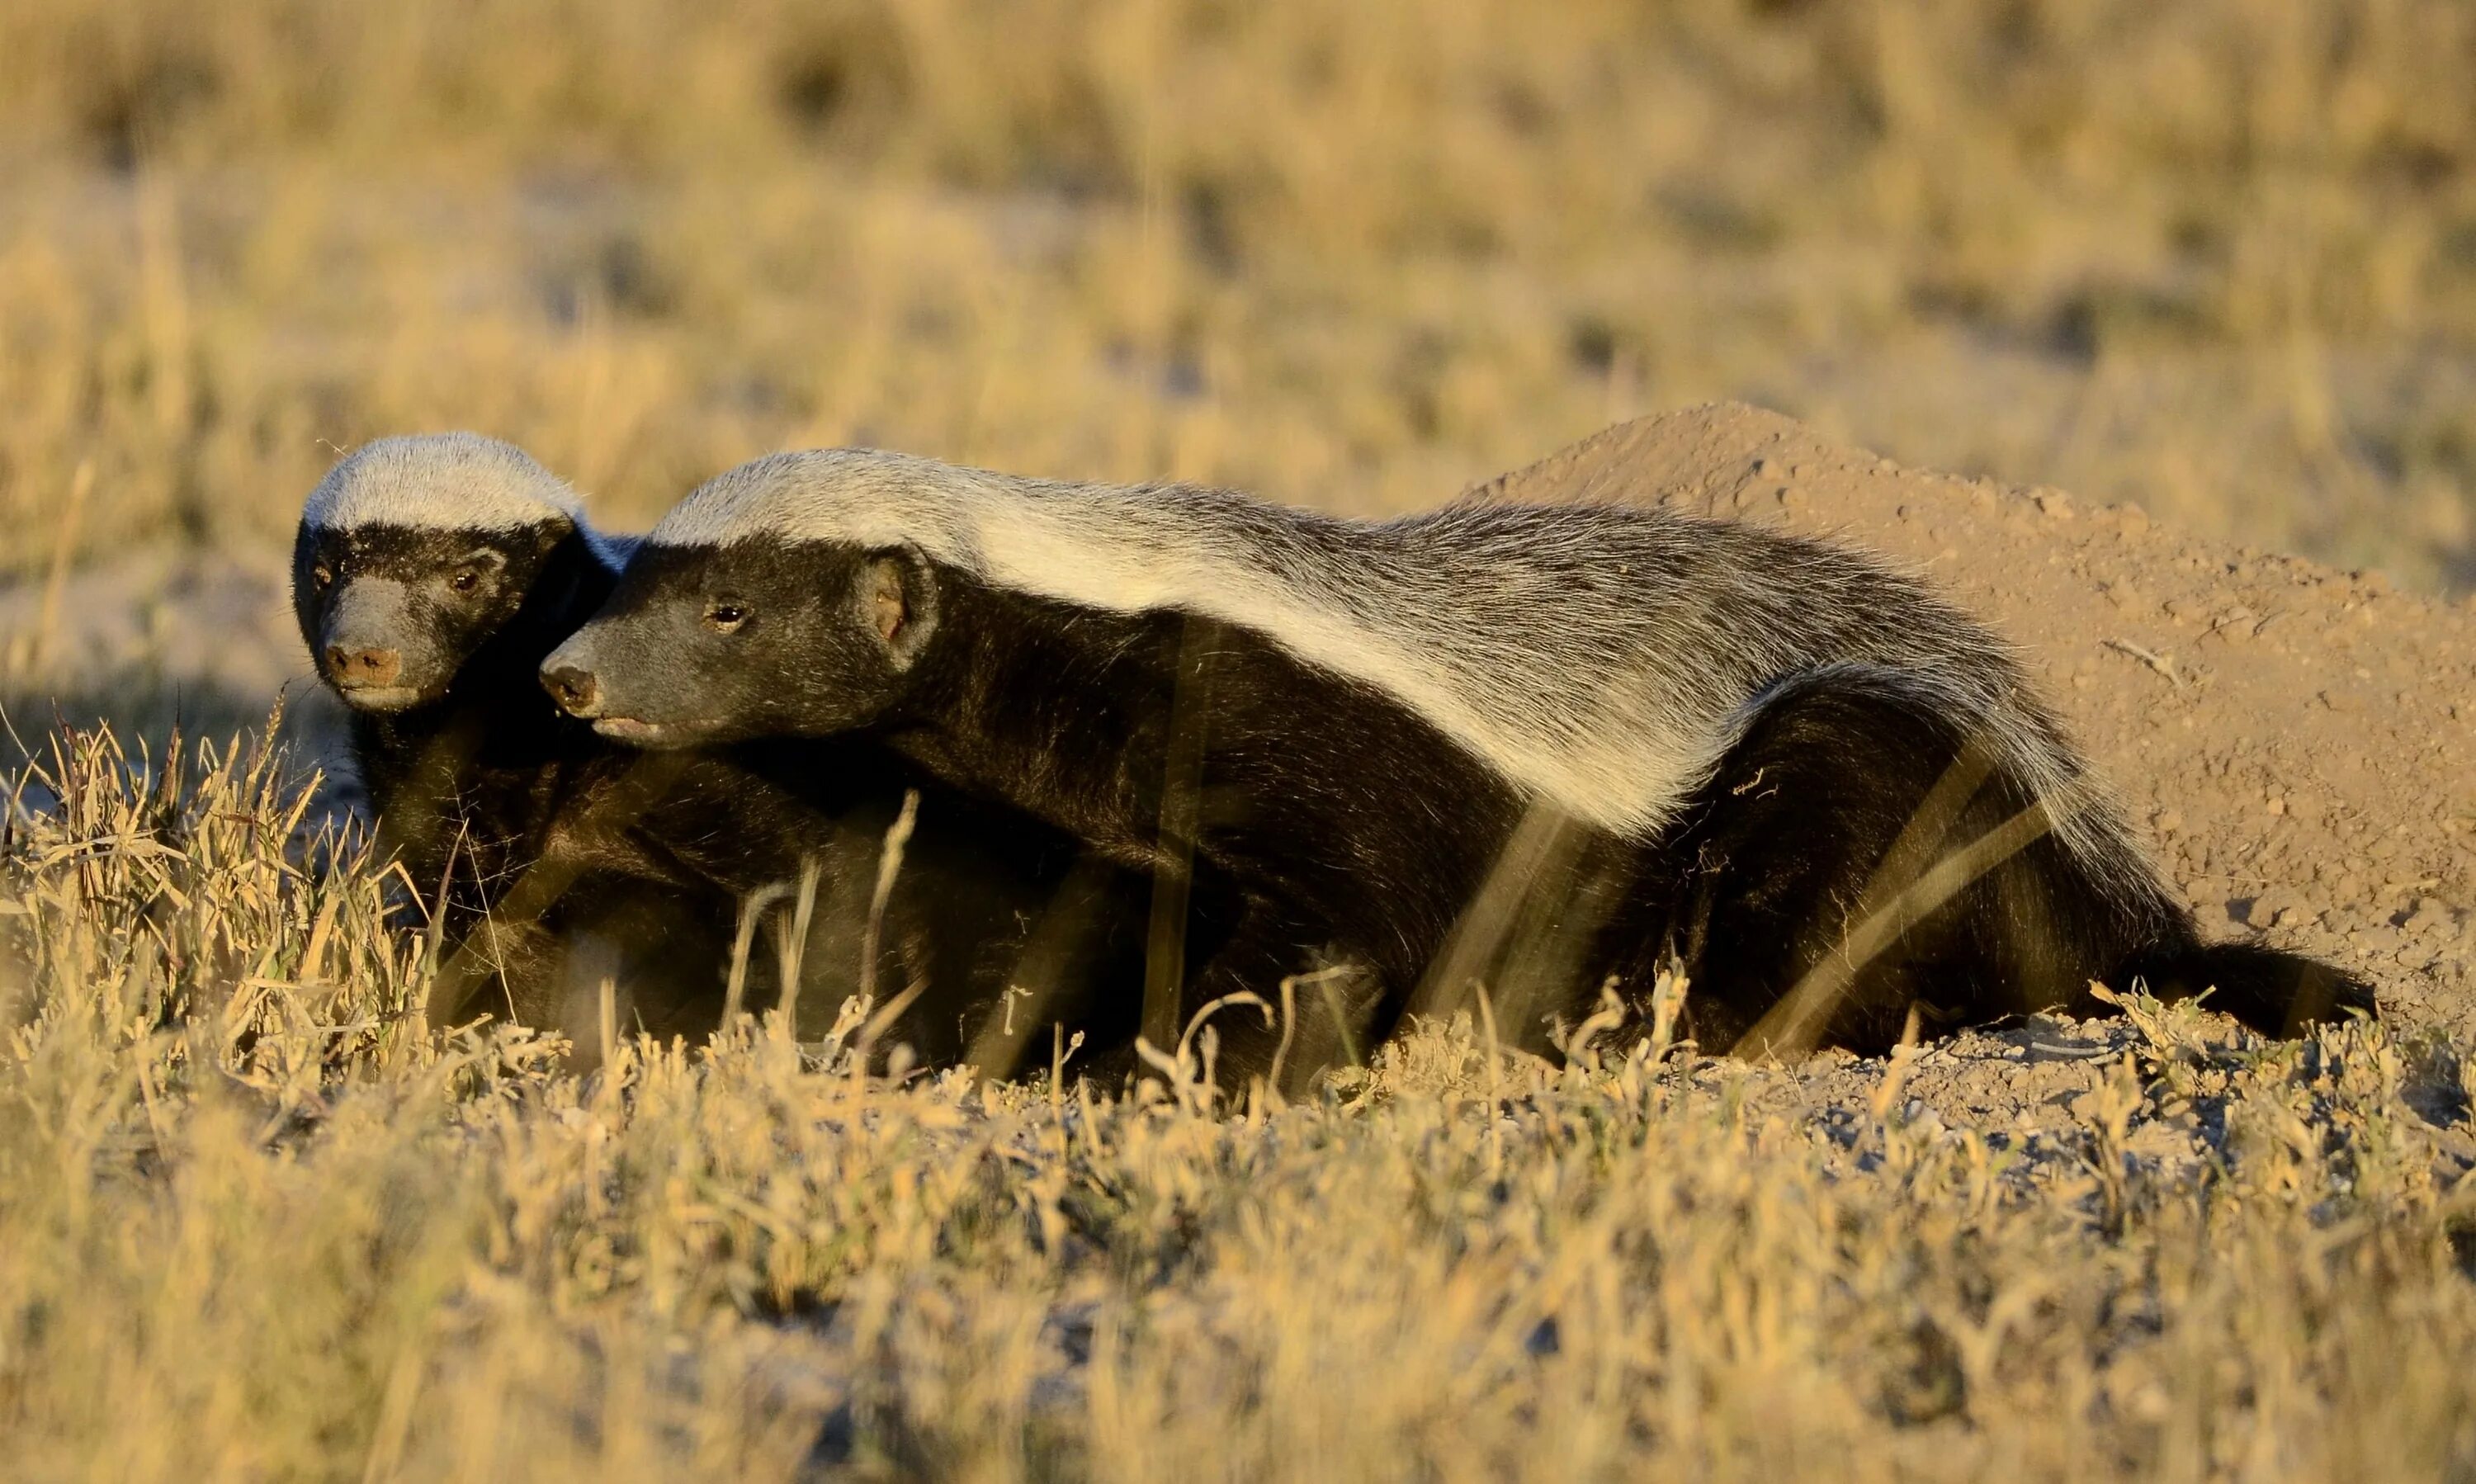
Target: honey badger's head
417, 554
702, 645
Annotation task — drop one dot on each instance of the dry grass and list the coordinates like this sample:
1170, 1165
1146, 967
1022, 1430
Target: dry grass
258, 1226
2219, 257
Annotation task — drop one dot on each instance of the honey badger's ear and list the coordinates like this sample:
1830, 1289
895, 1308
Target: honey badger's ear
549, 533
897, 597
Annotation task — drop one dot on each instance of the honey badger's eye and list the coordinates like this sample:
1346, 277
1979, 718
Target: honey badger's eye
477, 567
322, 576
726, 616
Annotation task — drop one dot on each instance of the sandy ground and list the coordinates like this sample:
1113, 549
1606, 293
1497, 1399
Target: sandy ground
2294, 740
203, 637
2298, 742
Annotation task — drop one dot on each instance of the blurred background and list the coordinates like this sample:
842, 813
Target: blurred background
2217, 257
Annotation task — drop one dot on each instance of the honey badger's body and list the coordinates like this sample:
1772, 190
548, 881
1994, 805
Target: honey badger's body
1674, 736
558, 859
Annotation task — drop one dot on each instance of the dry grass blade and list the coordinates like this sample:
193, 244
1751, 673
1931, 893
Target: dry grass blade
36, 654
795, 945
889, 865
751, 913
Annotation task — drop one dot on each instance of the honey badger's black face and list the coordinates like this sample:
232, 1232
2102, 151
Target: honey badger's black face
391, 613
703, 645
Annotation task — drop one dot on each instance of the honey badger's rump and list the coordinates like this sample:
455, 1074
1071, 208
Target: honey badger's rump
1389, 706
1857, 854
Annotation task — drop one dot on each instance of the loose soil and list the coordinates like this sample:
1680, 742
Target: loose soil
2295, 741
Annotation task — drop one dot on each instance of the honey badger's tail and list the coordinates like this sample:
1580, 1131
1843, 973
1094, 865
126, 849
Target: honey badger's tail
2274, 992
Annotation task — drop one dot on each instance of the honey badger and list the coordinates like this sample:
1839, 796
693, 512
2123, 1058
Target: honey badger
1616, 736
431, 575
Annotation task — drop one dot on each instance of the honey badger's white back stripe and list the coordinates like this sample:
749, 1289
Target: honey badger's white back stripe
1598, 656
447, 481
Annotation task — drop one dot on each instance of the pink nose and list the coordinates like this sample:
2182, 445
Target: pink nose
359, 669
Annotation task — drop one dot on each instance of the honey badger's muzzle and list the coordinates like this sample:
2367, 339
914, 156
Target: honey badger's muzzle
570, 675
574, 677
575, 690
370, 651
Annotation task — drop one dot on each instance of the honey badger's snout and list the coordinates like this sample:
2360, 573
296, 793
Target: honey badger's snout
570, 674
578, 675
578, 693
362, 667
363, 649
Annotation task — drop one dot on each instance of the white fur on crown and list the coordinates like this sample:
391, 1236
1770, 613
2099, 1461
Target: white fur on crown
444, 481
1598, 657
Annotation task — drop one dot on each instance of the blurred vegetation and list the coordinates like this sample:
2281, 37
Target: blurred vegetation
2218, 257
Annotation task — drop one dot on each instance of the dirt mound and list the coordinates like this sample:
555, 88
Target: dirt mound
2300, 743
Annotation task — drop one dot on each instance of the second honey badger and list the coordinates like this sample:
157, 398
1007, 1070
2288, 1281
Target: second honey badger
431, 575
1609, 734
